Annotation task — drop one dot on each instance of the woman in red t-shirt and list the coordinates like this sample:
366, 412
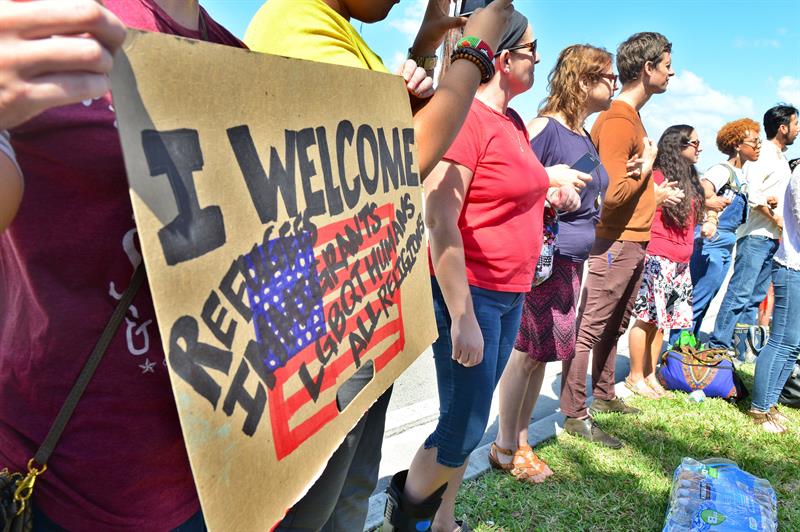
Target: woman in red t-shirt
484, 210
665, 297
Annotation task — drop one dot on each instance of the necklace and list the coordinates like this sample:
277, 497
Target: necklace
514, 132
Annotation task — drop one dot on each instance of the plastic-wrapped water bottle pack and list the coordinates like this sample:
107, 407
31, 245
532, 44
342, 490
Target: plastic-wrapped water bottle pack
717, 495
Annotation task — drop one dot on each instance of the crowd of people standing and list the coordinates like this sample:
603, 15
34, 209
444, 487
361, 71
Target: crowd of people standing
641, 234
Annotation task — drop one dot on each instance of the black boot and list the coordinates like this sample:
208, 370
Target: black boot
400, 515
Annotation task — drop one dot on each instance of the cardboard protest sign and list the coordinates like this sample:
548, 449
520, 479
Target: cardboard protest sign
278, 205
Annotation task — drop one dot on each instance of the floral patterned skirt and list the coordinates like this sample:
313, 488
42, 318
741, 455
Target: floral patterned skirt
665, 298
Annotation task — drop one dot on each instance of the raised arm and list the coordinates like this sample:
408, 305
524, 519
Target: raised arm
437, 123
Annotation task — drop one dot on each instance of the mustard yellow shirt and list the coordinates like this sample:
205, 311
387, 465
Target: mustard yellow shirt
309, 29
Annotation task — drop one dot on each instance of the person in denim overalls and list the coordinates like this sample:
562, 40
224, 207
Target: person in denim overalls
726, 191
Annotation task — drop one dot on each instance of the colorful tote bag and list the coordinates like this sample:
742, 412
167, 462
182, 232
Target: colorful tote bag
687, 369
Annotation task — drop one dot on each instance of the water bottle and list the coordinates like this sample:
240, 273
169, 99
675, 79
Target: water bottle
697, 396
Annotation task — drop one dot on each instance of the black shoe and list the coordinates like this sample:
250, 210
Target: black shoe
400, 515
614, 405
587, 429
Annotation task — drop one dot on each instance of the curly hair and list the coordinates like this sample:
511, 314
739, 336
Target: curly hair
733, 133
676, 168
575, 63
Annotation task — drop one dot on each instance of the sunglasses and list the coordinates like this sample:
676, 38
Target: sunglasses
530, 45
755, 143
610, 77
694, 144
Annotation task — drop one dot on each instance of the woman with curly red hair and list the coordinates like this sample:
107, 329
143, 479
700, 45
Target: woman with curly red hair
726, 191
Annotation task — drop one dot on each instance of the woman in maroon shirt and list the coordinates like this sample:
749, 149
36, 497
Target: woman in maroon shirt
69, 253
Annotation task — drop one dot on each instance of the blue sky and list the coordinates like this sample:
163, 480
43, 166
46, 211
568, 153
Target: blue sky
733, 58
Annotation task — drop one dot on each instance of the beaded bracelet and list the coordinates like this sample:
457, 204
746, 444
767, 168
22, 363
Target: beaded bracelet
474, 59
484, 64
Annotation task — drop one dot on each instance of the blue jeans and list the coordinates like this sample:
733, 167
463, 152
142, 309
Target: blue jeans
465, 394
748, 287
776, 360
709, 265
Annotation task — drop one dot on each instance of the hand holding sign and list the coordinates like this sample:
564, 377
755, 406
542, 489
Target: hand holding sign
418, 82
39, 72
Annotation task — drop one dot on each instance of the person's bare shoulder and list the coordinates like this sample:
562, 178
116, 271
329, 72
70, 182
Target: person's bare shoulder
536, 126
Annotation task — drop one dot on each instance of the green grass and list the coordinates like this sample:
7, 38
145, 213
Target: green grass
600, 489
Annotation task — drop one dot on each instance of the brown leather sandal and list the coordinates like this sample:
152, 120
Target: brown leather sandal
641, 388
534, 458
658, 388
524, 464
780, 418
765, 418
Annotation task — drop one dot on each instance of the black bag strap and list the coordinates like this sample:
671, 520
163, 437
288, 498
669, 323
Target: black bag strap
57, 428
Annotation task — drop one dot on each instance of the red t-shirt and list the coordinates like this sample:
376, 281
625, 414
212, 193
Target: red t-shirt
501, 220
669, 242
121, 464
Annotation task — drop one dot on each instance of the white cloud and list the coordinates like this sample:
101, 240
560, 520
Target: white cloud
409, 22
741, 42
398, 58
789, 90
691, 100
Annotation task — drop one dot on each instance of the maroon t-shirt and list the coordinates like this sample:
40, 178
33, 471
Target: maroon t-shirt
65, 260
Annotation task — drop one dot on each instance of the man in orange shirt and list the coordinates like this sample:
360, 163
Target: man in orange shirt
616, 260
